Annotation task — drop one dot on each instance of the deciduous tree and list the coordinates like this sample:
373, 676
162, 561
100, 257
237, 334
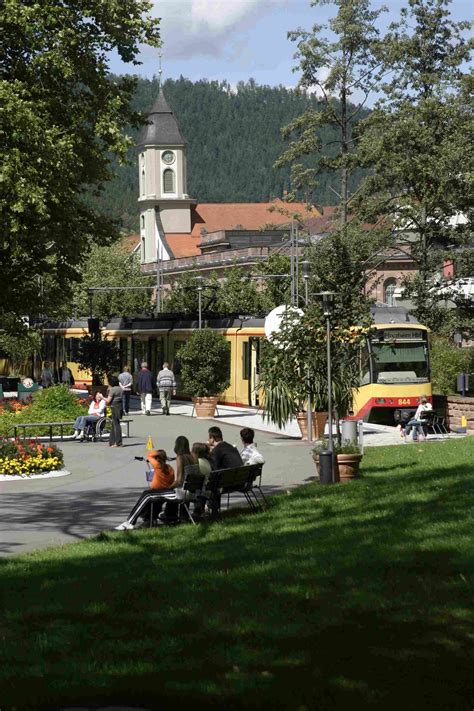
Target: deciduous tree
417, 143
62, 124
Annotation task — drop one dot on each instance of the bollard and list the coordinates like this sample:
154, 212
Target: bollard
326, 467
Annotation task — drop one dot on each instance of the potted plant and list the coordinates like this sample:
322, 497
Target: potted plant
347, 459
286, 382
99, 356
205, 369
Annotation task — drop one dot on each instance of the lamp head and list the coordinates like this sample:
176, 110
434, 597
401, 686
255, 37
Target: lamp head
327, 299
199, 280
305, 266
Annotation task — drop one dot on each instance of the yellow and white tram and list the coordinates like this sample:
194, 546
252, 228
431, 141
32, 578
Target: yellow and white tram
394, 362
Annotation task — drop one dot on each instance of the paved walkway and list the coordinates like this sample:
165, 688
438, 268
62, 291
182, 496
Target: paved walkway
104, 483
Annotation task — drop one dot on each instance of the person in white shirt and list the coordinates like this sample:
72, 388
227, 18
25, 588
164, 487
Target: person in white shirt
166, 384
416, 422
250, 453
96, 410
125, 381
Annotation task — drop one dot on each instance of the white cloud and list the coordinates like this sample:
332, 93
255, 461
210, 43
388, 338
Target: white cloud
193, 28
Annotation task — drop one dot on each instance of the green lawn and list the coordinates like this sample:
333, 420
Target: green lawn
353, 596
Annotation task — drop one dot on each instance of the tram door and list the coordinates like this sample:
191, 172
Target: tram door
253, 370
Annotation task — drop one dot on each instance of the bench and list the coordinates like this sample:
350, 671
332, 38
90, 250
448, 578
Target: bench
50, 425
236, 480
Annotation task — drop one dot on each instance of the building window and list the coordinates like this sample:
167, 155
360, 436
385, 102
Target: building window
142, 174
142, 249
389, 292
143, 222
168, 181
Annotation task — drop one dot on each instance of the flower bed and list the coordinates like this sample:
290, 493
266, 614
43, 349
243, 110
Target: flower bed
26, 458
56, 404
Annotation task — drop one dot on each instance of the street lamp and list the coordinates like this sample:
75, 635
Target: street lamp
326, 463
305, 266
199, 281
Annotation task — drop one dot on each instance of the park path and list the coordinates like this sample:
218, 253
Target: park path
104, 483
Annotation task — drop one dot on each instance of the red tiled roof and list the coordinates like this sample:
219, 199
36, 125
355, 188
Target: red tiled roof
183, 245
229, 216
129, 243
246, 215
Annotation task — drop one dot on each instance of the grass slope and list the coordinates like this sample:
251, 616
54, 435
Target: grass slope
358, 595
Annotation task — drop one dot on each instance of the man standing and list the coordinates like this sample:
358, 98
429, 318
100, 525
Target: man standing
145, 388
166, 384
65, 375
126, 380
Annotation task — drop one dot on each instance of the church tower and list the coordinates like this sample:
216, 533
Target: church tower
165, 206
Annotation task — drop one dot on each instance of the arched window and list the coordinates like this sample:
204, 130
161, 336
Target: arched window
142, 249
168, 181
389, 292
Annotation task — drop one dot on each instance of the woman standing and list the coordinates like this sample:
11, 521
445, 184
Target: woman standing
114, 399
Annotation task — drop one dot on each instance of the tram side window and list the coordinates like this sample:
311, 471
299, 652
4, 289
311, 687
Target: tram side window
364, 366
245, 361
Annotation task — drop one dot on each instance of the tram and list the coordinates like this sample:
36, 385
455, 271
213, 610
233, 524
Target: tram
394, 362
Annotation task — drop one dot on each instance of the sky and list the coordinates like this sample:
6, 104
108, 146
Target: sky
241, 39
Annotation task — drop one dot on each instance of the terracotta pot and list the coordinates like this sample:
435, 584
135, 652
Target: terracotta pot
319, 423
336, 468
205, 407
348, 466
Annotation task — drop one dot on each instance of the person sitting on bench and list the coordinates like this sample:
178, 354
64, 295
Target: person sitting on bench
416, 424
162, 482
96, 410
250, 453
223, 456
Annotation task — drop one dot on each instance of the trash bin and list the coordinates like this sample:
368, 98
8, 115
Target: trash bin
349, 430
326, 467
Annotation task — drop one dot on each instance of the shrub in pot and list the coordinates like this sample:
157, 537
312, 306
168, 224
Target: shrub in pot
205, 369
347, 458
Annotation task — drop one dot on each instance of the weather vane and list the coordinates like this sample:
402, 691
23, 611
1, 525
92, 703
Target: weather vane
160, 70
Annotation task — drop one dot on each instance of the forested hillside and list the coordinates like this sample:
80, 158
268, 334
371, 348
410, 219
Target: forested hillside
233, 140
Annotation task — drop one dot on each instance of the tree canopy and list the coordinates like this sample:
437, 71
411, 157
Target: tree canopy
62, 124
416, 143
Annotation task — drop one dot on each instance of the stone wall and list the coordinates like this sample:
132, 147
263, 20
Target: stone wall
458, 406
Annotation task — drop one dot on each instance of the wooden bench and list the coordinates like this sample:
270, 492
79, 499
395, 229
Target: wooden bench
236, 480
50, 425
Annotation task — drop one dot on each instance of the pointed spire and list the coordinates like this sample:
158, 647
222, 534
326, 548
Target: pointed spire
162, 128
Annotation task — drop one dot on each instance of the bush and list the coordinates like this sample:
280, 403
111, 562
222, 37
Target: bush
344, 448
447, 361
48, 405
205, 364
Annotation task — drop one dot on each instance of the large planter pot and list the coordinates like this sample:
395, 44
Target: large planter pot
336, 468
348, 466
205, 407
319, 423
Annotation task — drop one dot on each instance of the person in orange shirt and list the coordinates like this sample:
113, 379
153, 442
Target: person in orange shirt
163, 479
163, 473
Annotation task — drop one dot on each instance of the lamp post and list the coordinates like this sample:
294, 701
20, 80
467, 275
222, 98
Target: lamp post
199, 280
326, 459
305, 266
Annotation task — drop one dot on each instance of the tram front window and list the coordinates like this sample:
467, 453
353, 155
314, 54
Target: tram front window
400, 363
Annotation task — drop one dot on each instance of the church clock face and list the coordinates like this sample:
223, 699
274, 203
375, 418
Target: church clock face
168, 157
